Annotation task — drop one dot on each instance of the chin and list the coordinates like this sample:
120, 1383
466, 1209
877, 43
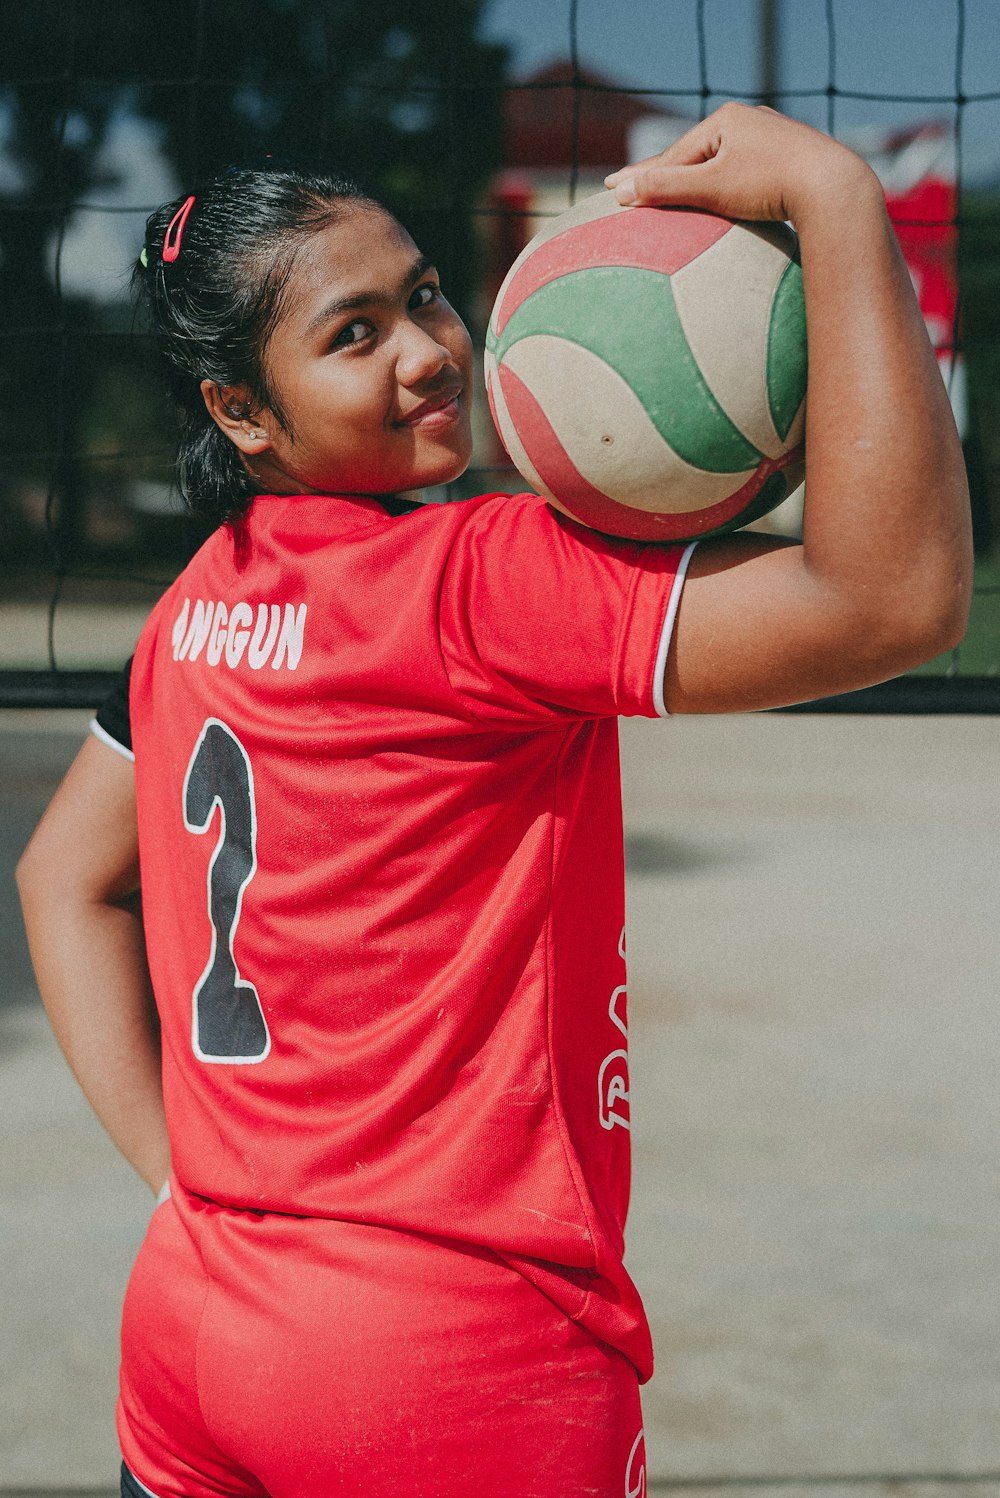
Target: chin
447, 468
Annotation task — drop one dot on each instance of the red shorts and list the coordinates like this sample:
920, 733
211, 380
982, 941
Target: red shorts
282, 1357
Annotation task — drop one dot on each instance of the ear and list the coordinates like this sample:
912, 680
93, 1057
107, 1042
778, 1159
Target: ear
229, 407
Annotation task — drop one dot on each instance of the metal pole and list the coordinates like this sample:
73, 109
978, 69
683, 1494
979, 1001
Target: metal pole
769, 48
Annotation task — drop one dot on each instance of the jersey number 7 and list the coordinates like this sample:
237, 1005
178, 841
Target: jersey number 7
228, 1023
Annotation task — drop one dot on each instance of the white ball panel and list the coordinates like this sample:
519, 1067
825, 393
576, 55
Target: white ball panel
724, 300
508, 435
587, 403
797, 430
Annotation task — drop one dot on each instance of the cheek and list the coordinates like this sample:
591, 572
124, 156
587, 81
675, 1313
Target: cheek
337, 399
451, 333
461, 343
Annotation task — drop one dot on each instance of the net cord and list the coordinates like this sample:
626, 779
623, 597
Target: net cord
63, 458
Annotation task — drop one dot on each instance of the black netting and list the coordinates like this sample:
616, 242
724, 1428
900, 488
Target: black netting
107, 110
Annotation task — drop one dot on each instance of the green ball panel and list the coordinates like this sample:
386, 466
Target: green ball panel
787, 361
646, 346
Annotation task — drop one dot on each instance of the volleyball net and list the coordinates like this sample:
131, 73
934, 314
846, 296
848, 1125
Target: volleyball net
106, 111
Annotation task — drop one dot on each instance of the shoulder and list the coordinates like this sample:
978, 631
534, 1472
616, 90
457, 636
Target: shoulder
486, 510
164, 613
512, 516
519, 521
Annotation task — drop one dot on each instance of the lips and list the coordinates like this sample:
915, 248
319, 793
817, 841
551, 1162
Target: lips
435, 405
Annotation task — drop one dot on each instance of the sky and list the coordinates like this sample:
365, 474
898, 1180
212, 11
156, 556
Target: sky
881, 46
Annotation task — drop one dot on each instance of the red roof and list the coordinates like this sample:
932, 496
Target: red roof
539, 119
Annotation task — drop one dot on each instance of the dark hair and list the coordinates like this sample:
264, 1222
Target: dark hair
214, 306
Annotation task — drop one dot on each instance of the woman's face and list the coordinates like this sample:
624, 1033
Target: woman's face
371, 367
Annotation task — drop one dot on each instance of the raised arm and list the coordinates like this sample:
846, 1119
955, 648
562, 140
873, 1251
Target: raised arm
79, 881
882, 579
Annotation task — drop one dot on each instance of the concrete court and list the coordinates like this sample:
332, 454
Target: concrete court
815, 970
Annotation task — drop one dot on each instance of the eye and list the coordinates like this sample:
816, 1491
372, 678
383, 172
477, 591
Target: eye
354, 332
425, 296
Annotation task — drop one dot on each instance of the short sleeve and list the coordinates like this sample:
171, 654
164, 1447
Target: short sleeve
541, 618
111, 723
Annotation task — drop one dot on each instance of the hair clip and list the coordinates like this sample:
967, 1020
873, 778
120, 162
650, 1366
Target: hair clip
143, 258
172, 247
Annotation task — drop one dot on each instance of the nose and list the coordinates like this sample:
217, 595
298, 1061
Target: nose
421, 356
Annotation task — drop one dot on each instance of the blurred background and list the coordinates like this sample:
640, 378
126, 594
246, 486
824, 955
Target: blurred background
812, 901
476, 118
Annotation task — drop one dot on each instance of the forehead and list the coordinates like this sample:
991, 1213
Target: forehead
365, 251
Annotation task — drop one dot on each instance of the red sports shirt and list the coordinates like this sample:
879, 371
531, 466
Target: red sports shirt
381, 849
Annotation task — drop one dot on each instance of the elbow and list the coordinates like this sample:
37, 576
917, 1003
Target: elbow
940, 636
929, 607
46, 872
57, 872
926, 605
922, 624
24, 872
950, 626
939, 610
947, 579
31, 875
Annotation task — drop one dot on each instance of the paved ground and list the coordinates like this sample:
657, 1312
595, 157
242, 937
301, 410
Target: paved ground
815, 967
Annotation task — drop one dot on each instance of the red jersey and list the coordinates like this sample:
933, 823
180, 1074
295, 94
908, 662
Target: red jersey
383, 887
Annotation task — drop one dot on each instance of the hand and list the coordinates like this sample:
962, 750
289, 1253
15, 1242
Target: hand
746, 162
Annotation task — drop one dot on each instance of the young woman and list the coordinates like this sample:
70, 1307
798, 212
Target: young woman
375, 806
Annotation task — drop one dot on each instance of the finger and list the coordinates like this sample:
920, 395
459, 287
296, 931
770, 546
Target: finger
613, 178
681, 153
693, 186
693, 149
698, 144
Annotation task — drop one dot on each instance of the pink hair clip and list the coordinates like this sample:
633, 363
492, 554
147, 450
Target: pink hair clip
172, 247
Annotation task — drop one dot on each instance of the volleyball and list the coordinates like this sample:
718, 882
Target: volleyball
646, 368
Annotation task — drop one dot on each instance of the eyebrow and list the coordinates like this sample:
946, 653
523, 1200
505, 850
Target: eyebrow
380, 298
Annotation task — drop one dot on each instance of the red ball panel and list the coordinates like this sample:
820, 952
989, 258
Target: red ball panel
636, 238
598, 510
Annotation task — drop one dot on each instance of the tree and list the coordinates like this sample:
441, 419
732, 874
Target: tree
405, 95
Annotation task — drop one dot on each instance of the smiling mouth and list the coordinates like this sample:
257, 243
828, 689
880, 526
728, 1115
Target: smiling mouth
439, 411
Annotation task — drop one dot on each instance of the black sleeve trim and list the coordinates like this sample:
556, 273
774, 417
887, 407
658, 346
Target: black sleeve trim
396, 506
113, 716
